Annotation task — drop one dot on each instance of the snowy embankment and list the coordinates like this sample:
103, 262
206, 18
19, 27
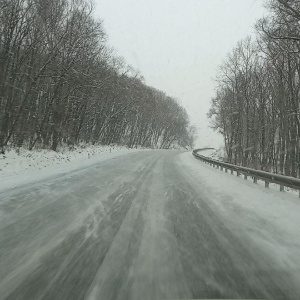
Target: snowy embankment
19, 167
212, 153
266, 217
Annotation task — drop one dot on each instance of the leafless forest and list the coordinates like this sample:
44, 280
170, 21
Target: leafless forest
60, 82
256, 106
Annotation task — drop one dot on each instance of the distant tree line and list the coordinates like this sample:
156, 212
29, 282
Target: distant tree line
61, 83
257, 104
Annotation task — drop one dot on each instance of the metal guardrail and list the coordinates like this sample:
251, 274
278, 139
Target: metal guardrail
283, 181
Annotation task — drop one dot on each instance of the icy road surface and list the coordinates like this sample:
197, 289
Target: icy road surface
148, 225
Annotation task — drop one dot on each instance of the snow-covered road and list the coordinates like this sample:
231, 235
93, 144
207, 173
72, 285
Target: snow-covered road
148, 225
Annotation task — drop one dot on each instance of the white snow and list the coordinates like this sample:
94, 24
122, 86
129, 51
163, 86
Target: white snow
207, 152
22, 167
212, 153
268, 217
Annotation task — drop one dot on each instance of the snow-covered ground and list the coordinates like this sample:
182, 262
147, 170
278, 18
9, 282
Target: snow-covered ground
24, 166
267, 217
212, 153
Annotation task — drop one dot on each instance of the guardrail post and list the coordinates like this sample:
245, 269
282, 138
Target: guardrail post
238, 173
231, 171
226, 170
267, 184
221, 168
281, 188
245, 176
254, 179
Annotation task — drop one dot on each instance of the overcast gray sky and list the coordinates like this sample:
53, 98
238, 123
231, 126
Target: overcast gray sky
178, 44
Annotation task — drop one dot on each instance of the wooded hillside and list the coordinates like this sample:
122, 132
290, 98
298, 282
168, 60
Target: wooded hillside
61, 83
257, 105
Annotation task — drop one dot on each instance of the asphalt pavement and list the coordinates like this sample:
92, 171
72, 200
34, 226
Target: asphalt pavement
132, 227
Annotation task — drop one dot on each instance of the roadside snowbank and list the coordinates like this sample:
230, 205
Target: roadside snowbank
29, 166
217, 154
